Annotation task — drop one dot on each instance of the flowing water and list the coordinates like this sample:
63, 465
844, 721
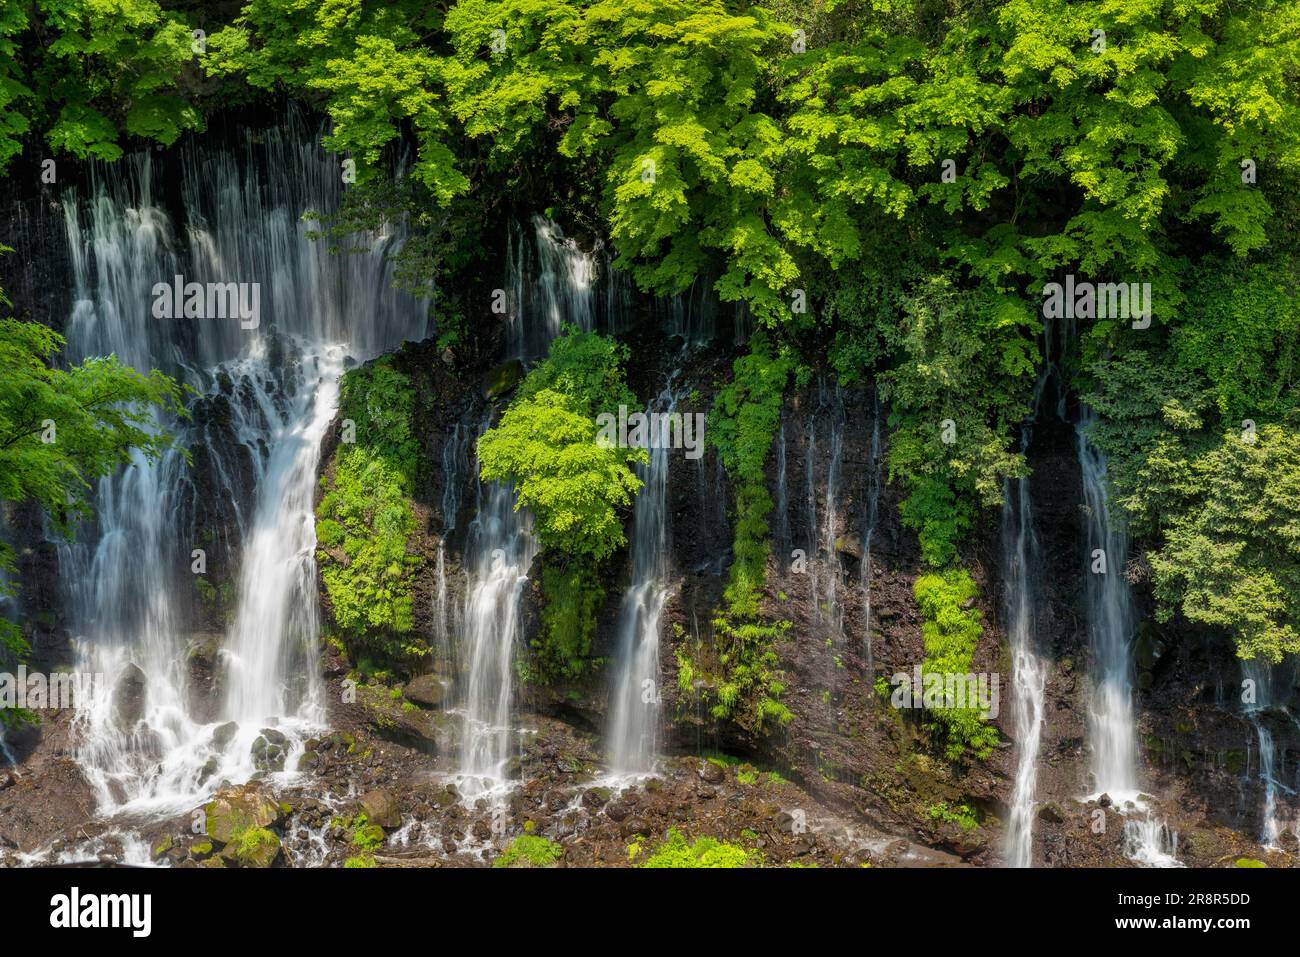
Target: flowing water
1020, 558
1262, 677
552, 284
1111, 626
635, 697
500, 550
277, 384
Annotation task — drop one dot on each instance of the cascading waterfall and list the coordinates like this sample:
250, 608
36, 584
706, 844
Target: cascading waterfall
552, 282
1261, 675
271, 645
782, 496
1028, 671
635, 697
1111, 625
243, 223
833, 607
1020, 560
500, 550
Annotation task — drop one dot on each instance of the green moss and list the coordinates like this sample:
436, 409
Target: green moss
676, 851
961, 815
1249, 862
365, 521
252, 847
573, 596
529, 851
951, 633
360, 861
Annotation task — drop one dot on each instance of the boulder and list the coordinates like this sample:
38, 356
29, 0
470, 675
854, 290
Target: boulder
381, 808
253, 847
712, 773
237, 809
270, 750
428, 691
128, 698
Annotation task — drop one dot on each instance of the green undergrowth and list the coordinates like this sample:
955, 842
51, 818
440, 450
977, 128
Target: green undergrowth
951, 632
739, 676
677, 851
365, 521
528, 850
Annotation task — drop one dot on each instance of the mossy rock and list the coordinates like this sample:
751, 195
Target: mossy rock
502, 379
1249, 862
253, 847
237, 809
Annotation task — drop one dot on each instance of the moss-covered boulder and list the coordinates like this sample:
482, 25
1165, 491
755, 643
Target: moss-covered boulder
236, 809
253, 847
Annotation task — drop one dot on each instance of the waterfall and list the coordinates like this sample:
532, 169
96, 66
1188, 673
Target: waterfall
1020, 557
500, 550
552, 283
782, 497
830, 534
1111, 625
635, 696
872, 515
140, 742
1020, 561
1261, 675
1110, 632
271, 645
810, 501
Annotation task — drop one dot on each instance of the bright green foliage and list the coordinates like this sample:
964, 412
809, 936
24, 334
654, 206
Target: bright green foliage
62, 429
1199, 429
360, 861
676, 851
546, 445
961, 815
87, 71
252, 847
528, 850
1232, 560
951, 632
745, 418
365, 520
576, 486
